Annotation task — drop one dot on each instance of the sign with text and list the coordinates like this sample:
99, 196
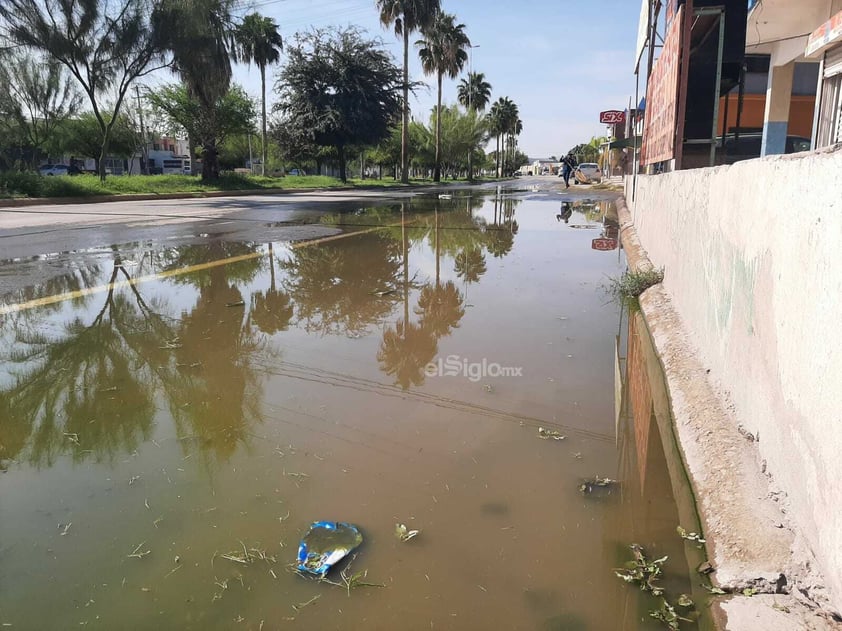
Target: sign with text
612, 117
604, 244
659, 128
828, 33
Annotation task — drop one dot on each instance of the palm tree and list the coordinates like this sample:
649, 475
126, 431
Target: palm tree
407, 16
259, 41
200, 36
444, 51
474, 92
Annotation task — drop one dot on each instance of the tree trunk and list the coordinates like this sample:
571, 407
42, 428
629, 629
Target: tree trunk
263, 108
340, 149
405, 117
210, 162
437, 167
497, 158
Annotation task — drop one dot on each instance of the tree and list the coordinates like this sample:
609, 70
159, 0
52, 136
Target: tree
474, 92
104, 45
232, 113
79, 136
38, 96
443, 51
260, 42
339, 89
407, 16
200, 36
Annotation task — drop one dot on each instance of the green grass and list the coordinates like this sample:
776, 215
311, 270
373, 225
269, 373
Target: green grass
631, 284
28, 184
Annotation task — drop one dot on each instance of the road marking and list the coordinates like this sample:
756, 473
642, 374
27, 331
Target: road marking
70, 295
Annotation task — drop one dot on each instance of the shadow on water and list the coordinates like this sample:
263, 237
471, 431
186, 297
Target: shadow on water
173, 416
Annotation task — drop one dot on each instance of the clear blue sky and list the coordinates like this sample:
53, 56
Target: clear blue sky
561, 61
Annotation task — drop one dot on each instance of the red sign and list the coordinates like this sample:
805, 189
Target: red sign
604, 244
612, 117
661, 118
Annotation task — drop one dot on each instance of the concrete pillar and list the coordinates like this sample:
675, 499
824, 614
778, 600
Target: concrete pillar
778, 97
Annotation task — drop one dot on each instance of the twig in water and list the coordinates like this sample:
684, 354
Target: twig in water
139, 555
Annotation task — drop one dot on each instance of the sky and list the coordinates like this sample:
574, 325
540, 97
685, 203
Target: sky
560, 61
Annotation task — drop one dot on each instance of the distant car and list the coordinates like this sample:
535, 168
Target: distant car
589, 171
296, 172
59, 169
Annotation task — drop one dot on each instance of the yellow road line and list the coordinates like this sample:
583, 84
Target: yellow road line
70, 295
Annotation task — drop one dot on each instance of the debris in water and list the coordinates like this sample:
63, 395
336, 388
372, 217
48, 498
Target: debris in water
592, 484
325, 544
402, 533
383, 292
239, 303
642, 571
550, 433
689, 536
705, 568
668, 616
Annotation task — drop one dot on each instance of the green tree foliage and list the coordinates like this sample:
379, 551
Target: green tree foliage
200, 35
38, 96
474, 92
231, 114
443, 51
338, 89
463, 135
407, 16
79, 137
506, 125
104, 45
259, 42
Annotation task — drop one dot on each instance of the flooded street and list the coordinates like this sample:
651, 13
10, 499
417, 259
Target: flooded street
174, 414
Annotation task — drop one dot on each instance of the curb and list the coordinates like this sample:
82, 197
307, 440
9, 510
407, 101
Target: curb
751, 540
143, 197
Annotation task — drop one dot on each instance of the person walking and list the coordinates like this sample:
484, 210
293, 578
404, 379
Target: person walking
568, 163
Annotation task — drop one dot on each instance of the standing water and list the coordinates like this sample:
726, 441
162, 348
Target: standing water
173, 418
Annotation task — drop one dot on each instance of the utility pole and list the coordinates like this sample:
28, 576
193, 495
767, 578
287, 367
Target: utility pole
145, 151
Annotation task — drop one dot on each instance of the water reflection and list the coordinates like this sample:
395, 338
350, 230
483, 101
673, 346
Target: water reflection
656, 496
89, 390
88, 376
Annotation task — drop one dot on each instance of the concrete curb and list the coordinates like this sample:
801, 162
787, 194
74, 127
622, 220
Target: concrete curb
751, 542
143, 197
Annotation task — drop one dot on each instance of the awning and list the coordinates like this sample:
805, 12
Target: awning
625, 142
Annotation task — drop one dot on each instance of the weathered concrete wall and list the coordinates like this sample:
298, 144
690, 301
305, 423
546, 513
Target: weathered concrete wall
753, 261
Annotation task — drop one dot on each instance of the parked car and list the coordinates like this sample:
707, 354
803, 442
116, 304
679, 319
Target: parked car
587, 172
748, 146
58, 169
296, 172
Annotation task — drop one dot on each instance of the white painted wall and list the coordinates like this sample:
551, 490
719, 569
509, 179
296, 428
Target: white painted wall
753, 258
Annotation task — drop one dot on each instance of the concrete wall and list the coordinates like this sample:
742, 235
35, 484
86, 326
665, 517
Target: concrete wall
753, 258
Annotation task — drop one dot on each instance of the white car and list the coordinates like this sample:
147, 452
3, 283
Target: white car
588, 172
57, 169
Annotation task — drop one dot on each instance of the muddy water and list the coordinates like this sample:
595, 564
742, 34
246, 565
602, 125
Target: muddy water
173, 417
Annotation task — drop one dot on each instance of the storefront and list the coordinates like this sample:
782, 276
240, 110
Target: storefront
825, 43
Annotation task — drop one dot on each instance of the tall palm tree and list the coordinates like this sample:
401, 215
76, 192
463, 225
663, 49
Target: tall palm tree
474, 92
200, 36
407, 16
443, 51
504, 118
259, 41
